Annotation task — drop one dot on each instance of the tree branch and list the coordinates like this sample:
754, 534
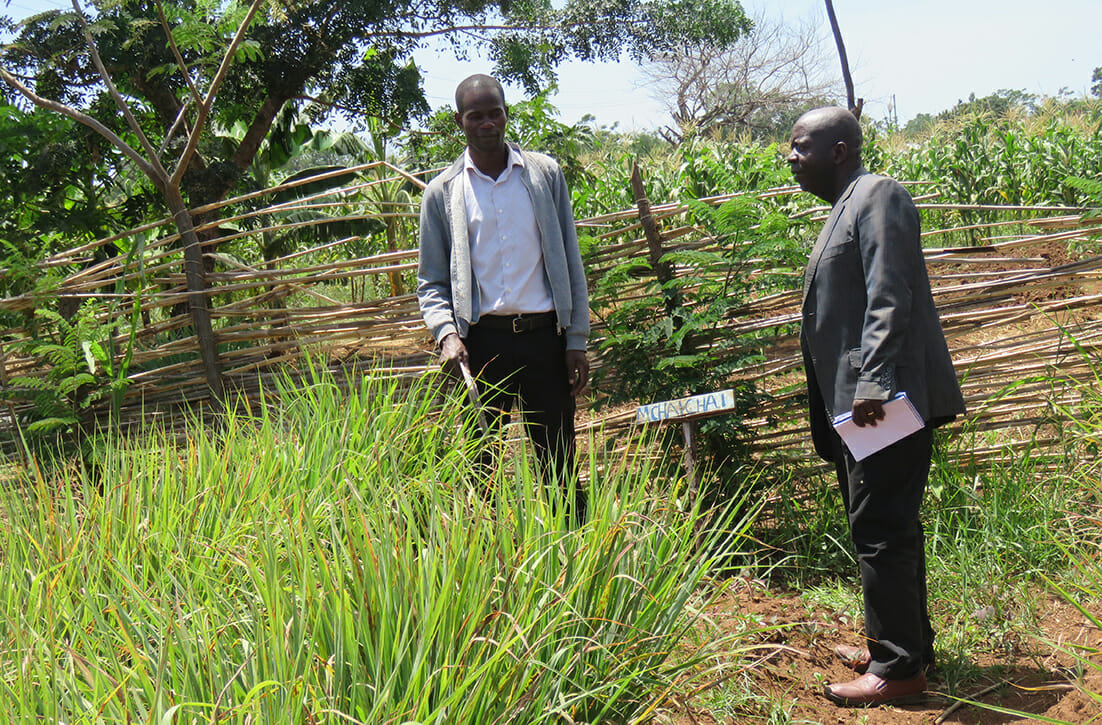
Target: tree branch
854, 105
257, 131
154, 163
80, 117
205, 106
771, 72
172, 128
179, 57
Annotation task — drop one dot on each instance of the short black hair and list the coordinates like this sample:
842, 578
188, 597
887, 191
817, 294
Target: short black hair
478, 80
837, 124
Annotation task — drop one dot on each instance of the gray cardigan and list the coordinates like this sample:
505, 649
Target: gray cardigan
446, 289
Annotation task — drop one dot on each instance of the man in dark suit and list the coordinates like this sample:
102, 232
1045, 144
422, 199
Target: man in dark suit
870, 331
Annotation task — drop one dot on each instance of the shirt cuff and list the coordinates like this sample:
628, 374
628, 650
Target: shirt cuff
876, 387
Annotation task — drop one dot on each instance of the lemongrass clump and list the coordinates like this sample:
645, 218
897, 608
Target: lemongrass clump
333, 557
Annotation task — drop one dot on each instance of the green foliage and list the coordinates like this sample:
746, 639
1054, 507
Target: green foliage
1091, 188
58, 185
709, 169
80, 371
353, 56
293, 155
590, 30
986, 161
666, 340
23, 274
998, 104
300, 565
534, 125
805, 531
609, 190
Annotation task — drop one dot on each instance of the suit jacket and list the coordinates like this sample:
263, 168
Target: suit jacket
870, 328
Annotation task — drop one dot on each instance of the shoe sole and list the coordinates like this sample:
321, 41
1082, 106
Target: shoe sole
916, 699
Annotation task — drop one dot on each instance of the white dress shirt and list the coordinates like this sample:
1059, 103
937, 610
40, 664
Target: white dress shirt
506, 255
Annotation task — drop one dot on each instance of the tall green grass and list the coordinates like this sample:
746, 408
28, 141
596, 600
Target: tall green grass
330, 559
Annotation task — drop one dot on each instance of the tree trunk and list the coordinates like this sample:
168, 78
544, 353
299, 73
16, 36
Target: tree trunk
198, 301
654, 239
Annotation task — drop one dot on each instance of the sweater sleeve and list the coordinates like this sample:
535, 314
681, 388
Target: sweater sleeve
577, 331
434, 287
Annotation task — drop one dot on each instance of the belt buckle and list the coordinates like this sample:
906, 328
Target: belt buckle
516, 325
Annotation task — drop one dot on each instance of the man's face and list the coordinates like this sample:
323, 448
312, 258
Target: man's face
812, 161
483, 120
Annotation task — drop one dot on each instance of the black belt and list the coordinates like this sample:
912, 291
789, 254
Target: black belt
517, 323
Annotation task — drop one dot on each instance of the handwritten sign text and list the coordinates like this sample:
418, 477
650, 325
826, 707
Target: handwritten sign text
692, 407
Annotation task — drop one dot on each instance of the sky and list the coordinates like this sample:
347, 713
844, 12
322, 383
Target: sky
926, 54
906, 57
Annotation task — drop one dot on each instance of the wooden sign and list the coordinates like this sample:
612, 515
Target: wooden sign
696, 406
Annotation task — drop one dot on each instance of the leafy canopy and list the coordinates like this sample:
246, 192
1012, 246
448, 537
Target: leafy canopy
351, 58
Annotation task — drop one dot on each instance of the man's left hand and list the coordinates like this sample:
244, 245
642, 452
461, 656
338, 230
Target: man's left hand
867, 412
577, 370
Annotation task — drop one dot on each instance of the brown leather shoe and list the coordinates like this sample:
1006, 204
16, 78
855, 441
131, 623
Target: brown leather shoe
855, 658
869, 690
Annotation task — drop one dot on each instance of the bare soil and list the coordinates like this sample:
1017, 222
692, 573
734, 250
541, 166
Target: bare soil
1032, 672
1035, 677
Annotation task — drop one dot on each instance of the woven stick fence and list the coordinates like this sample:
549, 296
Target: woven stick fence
1011, 305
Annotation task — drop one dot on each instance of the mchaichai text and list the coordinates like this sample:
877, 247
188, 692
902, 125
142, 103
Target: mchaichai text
693, 407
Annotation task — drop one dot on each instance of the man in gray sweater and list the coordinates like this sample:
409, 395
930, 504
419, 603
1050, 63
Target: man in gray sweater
500, 280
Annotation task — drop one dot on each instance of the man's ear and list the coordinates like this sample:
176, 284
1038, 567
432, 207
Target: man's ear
458, 119
839, 153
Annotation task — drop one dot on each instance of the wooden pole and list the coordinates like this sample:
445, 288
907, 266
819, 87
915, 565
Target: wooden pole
688, 428
854, 105
654, 239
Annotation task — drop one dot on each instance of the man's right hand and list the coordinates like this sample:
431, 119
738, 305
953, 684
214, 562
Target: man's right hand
867, 412
453, 353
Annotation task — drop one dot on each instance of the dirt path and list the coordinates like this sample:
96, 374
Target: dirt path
787, 673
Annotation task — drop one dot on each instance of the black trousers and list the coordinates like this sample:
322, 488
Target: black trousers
529, 369
882, 496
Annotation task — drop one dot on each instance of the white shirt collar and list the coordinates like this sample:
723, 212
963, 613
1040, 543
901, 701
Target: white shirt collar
515, 159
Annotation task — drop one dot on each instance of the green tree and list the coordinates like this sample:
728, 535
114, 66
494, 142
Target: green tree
161, 67
353, 56
998, 104
60, 184
920, 125
1096, 82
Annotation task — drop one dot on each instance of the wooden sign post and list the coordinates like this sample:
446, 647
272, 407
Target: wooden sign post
687, 411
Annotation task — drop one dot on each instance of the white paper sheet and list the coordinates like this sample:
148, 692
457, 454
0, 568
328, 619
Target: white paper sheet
900, 420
